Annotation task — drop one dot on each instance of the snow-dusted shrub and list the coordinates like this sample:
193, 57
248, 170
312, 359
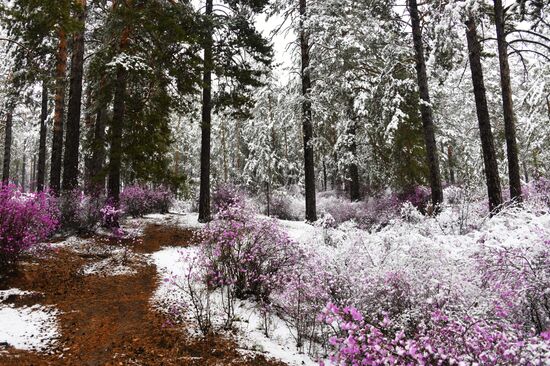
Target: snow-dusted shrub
303, 296
419, 197
79, 212
520, 277
25, 220
244, 256
287, 207
225, 196
138, 200
198, 298
440, 340
341, 209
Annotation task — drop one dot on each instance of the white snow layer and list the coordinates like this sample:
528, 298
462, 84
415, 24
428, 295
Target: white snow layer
250, 335
28, 328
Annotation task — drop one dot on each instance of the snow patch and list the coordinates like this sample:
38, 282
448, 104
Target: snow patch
28, 328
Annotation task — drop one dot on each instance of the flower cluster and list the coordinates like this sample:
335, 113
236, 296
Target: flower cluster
25, 220
439, 341
138, 200
247, 254
226, 196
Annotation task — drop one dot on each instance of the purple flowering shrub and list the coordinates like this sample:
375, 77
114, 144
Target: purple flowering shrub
79, 212
520, 278
247, 254
110, 216
225, 196
440, 340
138, 200
25, 220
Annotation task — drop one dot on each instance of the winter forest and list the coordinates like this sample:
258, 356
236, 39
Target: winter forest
275, 182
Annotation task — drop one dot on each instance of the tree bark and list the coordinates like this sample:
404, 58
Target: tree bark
7, 146
206, 122
507, 104
24, 174
72, 140
41, 169
117, 125
451, 159
354, 188
307, 126
96, 178
425, 106
487, 141
57, 140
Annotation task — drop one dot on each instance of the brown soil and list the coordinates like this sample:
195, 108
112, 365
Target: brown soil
108, 320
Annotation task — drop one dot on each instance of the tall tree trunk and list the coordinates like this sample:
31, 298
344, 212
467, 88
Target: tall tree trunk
206, 122
72, 140
451, 159
33, 174
507, 104
487, 141
7, 146
425, 106
354, 189
24, 173
41, 169
57, 140
117, 125
96, 176
307, 126
325, 178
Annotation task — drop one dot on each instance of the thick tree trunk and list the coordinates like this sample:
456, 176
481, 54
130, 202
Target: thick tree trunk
117, 125
307, 126
7, 146
508, 105
72, 140
41, 169
425, 106
325, 177
487, 141
206, 123
96, 175
57, 140
32, 183
354, 187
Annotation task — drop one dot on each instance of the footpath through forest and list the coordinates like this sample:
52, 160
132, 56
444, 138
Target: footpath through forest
109, 319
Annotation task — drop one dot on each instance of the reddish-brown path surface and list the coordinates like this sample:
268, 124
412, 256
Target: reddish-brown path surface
108, 320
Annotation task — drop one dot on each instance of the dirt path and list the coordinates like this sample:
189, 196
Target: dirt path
108, 320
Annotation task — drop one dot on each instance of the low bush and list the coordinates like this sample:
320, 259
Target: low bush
286, 207
25, 220
244, 256
225, 196
137, 201
79, 212
439, 341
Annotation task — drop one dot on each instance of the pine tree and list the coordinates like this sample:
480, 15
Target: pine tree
425, 106
485, 132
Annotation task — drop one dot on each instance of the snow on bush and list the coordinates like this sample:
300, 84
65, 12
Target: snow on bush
285, 206
457, 288
138, 201
25, 220
440, 340
244, 256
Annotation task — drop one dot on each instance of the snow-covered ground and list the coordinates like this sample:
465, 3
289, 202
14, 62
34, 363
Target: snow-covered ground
173, 264
431, 249
28, 328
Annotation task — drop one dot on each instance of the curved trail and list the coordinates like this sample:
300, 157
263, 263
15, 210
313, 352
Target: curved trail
108, 320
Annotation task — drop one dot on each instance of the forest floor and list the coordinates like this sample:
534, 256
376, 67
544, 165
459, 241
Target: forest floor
106, 319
